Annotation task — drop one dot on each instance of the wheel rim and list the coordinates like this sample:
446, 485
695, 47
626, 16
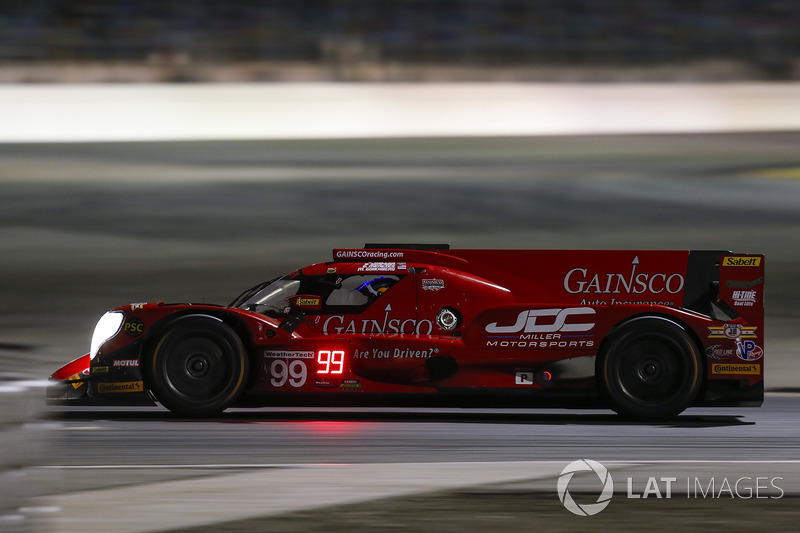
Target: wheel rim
197, 368
651, 370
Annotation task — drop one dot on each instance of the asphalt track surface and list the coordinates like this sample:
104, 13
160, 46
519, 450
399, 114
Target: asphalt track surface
88, 227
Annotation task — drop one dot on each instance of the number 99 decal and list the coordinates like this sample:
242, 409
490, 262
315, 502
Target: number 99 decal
294, 372
330, 362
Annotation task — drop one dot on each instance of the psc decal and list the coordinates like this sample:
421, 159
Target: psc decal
133, 327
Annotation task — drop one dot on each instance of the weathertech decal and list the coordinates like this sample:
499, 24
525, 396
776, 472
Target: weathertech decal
127, 386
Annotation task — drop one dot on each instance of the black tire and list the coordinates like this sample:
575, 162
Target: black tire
651, 369
198, 367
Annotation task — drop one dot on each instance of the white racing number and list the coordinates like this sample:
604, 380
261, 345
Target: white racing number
294, 372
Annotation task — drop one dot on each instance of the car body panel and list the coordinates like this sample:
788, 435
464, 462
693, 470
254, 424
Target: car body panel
529, 323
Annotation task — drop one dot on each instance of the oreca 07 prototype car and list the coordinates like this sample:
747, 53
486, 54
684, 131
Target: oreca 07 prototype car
646, 333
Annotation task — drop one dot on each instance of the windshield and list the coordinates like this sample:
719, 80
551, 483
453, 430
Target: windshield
270, 298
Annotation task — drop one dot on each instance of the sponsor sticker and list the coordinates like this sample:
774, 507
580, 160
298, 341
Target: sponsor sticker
719, 352
432, 284
582, 280
744, 298
732, 331
308, 302
326, 383
350, 384
735, 368
734, 261
378, 267
133, 327
100, 370
749, 351
287, 354
121, 363
126, 386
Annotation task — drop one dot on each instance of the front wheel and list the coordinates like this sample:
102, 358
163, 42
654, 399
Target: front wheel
198, 367
651, 370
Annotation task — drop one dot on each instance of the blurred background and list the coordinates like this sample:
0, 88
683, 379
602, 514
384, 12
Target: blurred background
183, 151
406, 40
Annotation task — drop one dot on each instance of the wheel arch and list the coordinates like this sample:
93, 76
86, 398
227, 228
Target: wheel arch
627, 321
159, 328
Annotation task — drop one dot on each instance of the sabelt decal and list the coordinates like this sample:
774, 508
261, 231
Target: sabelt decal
741, 261
735, 368
582, 280
127, 386
732, 331
308, 302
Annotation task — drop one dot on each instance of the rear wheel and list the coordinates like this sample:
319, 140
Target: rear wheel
198, 367
651, 370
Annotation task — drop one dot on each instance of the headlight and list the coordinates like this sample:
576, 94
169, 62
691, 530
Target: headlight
108, 326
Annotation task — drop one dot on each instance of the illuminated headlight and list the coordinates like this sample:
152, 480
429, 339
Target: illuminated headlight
108, 326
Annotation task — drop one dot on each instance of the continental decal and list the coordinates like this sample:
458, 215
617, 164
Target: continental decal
728, 368
126, 386
741, 261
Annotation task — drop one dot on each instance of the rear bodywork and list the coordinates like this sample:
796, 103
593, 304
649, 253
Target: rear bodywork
425, 324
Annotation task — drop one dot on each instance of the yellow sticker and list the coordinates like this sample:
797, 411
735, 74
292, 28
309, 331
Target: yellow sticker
741, 261
126, 386
733, 368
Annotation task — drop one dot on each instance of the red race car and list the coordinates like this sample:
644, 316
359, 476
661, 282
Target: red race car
646, 333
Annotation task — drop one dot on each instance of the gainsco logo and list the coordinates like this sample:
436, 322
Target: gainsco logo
527, 321
749, 351
338, 324
583, 281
